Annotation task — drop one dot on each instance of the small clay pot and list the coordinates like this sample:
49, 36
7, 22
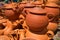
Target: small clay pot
36, 19
10, 12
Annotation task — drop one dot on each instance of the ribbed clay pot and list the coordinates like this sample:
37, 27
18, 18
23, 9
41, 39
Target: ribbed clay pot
36, 19
11, 12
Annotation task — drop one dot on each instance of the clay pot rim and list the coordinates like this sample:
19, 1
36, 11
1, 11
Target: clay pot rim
37, 12
9, 6
38, 3
51, 4
23, 2
29, 5
52, 7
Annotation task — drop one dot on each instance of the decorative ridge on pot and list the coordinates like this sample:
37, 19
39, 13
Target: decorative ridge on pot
53, 1
12, 5
23, 2
37, 10
52, 5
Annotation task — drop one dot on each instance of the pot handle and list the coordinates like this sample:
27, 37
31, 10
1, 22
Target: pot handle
50, 34
51, 17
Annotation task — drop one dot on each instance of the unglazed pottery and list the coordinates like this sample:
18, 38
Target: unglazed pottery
36, 19
53, 14
10, 11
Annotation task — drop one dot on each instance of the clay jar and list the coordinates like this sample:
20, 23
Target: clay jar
10, 11
52, 13
36, 19
22, 5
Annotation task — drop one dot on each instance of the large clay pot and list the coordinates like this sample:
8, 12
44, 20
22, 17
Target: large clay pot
10, 11
36, 19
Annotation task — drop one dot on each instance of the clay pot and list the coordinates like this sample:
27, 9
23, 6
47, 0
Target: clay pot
53, 14
36, 19
10, 11
52, 11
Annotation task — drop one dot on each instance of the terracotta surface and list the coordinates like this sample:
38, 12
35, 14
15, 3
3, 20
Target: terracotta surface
53, 14
10, 12
36, 17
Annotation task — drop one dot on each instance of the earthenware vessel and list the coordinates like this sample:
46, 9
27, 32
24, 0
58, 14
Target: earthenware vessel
36, 19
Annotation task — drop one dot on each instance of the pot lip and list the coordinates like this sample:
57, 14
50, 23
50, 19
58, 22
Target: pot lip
29, 5
52, 5
37, 11
9, 6
23, 2
38, 3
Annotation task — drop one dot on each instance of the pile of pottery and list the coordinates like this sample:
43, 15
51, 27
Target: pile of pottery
39, 20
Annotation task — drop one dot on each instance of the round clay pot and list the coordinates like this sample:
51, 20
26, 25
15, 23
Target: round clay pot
10, 11
36, 19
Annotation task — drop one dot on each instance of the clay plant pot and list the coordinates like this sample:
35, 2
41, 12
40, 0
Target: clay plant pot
10, 11
36, 19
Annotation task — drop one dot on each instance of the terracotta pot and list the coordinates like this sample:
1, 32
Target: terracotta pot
36, 19
53, 14
10, 12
